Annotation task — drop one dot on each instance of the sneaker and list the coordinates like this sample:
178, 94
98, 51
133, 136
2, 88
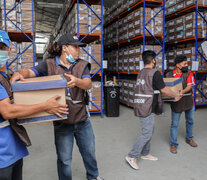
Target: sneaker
132, 162
149, 157
98, 178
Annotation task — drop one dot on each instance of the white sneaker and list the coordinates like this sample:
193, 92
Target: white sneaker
149, 157
132, 162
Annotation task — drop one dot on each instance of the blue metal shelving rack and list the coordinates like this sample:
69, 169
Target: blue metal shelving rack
20, 36
143, 38
197, 51
94, 37
162, 44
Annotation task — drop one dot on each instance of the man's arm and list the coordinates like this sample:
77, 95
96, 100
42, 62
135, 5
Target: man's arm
21, 74
81, 83
172, 94
187, 89
10, 111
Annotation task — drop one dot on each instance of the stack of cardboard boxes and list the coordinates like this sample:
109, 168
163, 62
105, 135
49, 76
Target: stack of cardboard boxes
173, 6
23, 61
92, 54
132, 26
189, 52
128, 59
127, 88
184, 27
200, 99
86, 20
95, 96
117, 7
21, 16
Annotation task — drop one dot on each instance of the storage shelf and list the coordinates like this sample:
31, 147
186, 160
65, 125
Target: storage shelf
130, 105
127, 72
90, 2
133, 40
132, 8
183, 12
18, 36
90, 38
184, 40
201, 72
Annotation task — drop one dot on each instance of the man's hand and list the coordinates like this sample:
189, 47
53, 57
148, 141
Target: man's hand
179, 96
16, 76
54, 107
73, 81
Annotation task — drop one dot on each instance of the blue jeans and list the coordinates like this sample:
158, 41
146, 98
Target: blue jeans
189, 116
85, 140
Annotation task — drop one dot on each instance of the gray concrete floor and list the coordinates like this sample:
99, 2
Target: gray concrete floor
114, 138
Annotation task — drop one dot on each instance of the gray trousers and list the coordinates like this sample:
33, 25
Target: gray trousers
142, 144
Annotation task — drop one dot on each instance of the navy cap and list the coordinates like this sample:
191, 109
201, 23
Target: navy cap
69, 39
4, 38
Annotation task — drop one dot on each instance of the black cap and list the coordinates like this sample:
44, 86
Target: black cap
180, 59
69, 39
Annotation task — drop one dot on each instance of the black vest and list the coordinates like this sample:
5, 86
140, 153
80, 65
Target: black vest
77, 111
186, 102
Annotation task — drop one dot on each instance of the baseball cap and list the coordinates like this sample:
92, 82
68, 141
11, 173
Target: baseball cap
69, 39
180, 59
4, 38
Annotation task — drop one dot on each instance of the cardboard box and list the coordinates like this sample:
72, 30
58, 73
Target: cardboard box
175, 84
38, 90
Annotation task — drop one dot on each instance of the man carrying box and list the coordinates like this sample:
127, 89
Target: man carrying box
147, 103
12, 149
186, 104
65, 60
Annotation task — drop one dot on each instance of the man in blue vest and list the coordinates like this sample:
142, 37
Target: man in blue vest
12, 149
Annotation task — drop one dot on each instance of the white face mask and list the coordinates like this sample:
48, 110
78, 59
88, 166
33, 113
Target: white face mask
4, 57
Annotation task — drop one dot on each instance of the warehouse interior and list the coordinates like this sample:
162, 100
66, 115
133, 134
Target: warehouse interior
116, 33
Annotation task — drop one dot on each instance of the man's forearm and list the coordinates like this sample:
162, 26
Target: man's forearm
17, 111
84, 83
187, 89
168, 92
26, 73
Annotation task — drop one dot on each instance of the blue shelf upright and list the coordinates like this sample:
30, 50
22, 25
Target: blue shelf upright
89, 37
199, 11
161, 43
20, 35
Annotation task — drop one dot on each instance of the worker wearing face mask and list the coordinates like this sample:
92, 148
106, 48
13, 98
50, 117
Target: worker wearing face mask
65, 60
147, 103
185, 104
13, 137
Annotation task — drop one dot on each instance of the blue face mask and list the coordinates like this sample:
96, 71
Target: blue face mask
3, 58
70, 57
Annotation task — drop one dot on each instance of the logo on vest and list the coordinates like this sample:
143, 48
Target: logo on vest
140, 82
139, 101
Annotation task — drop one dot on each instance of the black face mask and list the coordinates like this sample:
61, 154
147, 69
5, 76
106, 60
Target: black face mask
184, 69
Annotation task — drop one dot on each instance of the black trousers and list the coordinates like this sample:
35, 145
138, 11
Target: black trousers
12, 172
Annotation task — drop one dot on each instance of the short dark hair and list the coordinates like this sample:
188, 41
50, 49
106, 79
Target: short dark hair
180, 59
148, 56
